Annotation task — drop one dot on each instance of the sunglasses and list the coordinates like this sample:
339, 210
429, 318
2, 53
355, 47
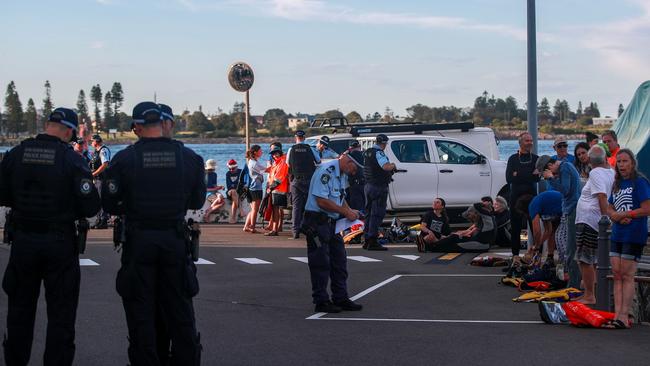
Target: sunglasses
562, 146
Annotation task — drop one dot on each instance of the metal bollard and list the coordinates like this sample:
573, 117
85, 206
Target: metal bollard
604, 268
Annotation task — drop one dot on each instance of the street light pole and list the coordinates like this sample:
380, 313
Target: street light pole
532, 74
247, 116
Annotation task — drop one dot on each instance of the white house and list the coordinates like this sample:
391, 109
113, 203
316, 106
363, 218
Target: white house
605, 121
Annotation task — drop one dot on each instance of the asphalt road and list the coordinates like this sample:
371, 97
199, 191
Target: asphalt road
422, 314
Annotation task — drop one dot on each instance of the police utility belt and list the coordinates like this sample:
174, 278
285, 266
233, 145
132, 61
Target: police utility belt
319, 218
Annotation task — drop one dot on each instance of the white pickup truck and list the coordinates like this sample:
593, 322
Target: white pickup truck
457, 162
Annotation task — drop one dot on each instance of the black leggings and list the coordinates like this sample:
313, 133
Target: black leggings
451, 243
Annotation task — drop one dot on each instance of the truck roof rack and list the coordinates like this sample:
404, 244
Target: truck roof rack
359, 129
329, 122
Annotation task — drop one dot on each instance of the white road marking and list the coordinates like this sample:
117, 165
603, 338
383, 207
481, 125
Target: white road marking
360, 258
300, 259
373, 288
203, 261
453, 321
409, 257
87, 262
253, 260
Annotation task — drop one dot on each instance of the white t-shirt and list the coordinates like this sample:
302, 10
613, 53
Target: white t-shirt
588, 211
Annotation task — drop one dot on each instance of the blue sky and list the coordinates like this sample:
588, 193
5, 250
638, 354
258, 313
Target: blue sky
312, 55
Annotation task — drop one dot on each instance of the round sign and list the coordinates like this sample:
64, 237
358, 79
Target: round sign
240, 76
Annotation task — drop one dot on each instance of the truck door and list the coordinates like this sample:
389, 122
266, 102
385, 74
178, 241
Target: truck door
416, 182
464, 175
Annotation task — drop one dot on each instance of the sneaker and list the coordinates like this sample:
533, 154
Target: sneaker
348, 305
327, 307
295, 236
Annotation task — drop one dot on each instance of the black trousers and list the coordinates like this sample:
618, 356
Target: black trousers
158, 280
356, 197
299, 191
51, 258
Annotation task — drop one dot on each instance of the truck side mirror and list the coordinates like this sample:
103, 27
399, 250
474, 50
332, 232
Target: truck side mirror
482, 160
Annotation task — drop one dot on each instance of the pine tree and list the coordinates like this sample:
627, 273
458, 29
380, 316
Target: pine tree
31, 117
82, 107
117, 95
13, 110
48, 105
96, 97
579, 110
108, 111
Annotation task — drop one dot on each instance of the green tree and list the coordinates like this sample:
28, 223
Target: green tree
96, 96
620, 109
109, 121
276, 120
511, 108
48, 105
353, 117
544, 110
82, 107
376, 116
13, 110
123, 121
579, 111
198, 122
332, 113
420, 113
224, 122
117, 95
238, 107
31, 117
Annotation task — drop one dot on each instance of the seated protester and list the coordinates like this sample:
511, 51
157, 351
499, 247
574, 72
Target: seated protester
543, 213
476, 238
488, 203
502, 218
218, 201
232, 181
434, 225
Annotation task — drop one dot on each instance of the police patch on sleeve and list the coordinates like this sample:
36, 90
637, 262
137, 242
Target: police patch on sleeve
325, 178
112, 187
85, 187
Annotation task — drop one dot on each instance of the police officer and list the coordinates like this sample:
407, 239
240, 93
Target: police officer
152, 183
48, 186
100, 159
168, 121
378, 173
324, 150
325, 248
355, 194
302, 160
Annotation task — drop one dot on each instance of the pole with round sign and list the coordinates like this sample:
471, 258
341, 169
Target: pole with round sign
240, 77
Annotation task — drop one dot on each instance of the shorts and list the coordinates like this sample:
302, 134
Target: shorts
553, 218
254, 196
229, 194
586, 244
279, 200
629, 251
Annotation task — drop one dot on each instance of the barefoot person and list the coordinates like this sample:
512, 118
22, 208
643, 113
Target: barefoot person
434, 225
628, 209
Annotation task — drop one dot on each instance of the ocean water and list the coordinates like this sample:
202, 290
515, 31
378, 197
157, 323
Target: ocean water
221, 153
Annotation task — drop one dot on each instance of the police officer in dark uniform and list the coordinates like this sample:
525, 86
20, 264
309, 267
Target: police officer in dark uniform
48, 186
325, 249
98, 165
302, 160
378, 172
355, 194
153, 183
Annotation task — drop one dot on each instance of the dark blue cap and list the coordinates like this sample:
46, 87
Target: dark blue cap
300, 133
167, 114
276, 148
325, 140
66, 117
357, 157
381, 139
97, 138
354, 143
146, 112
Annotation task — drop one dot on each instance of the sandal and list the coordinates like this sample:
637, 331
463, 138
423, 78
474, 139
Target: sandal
271, 233
615, 324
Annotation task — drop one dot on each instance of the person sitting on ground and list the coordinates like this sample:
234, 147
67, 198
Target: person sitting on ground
502, 218
278, 189
434, 225
232, 179
217, 201
488, 203
543, 213
476, 238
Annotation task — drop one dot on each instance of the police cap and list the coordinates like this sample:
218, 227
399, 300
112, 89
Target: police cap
97, 138
354, 143
324, 140
66, 117
381, 139
300, 133
146, 112
357, 157
166, 111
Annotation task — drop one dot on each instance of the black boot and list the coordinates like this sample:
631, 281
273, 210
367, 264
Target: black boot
374, 245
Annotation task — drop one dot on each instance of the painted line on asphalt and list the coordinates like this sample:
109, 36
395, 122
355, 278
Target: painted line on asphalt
452, 321
409, 257
203, 261
361, 258
253, 260
451, 275
300, 259
87, 262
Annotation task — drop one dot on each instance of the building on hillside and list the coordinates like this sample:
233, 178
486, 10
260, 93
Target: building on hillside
259, 120
605, 121
300, 118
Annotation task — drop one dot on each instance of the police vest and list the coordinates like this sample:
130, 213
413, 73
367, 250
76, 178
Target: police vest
301, 161
372, 172
96, 161
158, 191
42, 189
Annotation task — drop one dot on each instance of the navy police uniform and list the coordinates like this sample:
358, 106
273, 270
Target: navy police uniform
302, 160
47, 186
355, 194
153, 183
325, 249
376, 191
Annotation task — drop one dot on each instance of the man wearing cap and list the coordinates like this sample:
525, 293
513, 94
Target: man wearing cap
561, 147
100, 160
167, 120
152, 183
325, 249
47, 186
232, 179
302, 160
563, 177
323, 147
377, 172
81, 147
